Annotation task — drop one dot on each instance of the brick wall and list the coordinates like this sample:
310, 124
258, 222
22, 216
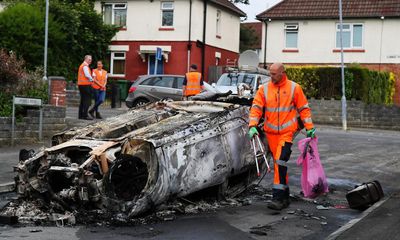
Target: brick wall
57, 90
359, 114
27, 128
73, 98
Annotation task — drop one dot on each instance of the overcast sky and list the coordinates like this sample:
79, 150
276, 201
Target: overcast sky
256, 7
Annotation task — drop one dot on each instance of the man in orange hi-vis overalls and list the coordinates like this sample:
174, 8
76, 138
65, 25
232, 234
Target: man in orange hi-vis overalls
193, 83
279, 101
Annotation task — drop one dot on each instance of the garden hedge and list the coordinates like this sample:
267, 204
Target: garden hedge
361, 83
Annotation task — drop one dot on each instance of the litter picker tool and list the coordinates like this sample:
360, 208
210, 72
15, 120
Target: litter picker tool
259, 152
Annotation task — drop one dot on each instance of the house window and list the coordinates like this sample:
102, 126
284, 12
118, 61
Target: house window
352, 35
167, 12
291, 35
218, 22
115, 14
117, 65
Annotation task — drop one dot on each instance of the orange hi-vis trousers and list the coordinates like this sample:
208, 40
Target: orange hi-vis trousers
280, 146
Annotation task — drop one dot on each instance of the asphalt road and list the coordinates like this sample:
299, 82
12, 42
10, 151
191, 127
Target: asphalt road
349, 158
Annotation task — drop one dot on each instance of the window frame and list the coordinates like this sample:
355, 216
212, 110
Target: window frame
112, 58
162, 8
291, 28
113, 8
351, 30
218, 23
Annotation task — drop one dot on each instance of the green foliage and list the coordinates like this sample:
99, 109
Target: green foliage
22, 31
361, 83
32, 85
248, 38
348, 81
86, 34
75, 29
391, 89
5, 104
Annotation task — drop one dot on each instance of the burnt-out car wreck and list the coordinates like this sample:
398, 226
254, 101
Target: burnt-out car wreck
135, 161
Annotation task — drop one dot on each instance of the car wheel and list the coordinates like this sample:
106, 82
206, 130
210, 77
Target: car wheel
168, 99
140, 102
129, 104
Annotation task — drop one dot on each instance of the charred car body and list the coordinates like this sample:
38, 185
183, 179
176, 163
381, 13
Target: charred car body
140, 159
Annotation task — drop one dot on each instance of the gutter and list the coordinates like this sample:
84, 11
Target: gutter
265, 44
189, 46
203, 50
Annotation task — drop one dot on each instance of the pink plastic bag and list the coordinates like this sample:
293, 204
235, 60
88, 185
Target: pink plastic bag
313, 179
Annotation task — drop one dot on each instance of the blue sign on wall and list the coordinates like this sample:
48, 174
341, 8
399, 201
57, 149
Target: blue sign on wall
159, 54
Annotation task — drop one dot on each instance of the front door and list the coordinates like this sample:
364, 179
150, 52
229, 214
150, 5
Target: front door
152, 64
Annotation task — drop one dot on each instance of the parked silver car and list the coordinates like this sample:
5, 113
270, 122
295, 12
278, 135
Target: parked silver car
152, 88
230, 81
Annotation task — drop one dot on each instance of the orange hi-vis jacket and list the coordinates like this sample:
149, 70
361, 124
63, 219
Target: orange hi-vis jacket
280, 103
193, 86
82, 79
101, 78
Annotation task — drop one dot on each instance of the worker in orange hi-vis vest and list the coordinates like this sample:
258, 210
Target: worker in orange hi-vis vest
279, 101
85, 87
99, 89
193, 83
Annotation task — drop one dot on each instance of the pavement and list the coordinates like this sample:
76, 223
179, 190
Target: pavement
105, 111
349, 158
382, 223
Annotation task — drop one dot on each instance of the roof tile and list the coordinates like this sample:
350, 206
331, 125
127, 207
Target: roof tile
229, 5
320, 9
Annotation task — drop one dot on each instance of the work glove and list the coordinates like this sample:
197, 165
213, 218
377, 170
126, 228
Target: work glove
311, 133
253, 131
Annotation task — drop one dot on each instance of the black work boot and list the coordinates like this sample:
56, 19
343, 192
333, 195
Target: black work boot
91, 112
280, 199
278, 204
98, 116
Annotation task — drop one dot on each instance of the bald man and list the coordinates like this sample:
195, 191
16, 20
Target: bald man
279, 101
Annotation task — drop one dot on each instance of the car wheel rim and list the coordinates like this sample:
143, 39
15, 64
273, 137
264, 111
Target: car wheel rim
141, 103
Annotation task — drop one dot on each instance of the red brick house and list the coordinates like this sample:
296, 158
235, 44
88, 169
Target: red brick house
202, 32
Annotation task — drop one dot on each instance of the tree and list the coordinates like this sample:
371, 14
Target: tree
248, 38
86, 32
75, 29
21, 31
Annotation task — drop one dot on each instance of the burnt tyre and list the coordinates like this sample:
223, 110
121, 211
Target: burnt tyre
129, 104
127, 178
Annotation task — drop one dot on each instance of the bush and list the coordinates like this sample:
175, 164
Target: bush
15, 80
361, 83
5, 104
11, 68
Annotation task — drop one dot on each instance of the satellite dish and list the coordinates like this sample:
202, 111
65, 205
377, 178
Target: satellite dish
249, 58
